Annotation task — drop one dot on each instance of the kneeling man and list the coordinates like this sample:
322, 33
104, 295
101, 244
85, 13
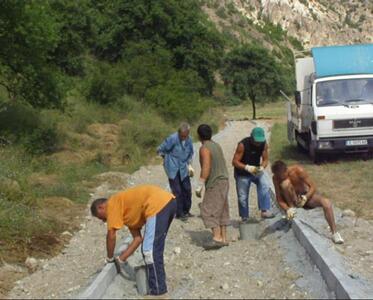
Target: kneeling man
294, 188
146, 205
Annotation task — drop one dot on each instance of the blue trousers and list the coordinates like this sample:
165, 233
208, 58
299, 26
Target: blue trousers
156, 229
182, 190
243, 184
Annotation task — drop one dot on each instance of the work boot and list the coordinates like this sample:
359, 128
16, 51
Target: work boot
183, 218
267, 214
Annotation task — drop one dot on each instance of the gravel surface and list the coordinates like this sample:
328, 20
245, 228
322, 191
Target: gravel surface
273, 267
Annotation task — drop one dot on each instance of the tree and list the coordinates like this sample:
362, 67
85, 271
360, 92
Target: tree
76, 34
253, 73
28, 36
177, 26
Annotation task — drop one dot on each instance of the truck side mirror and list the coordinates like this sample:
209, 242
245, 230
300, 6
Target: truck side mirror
297, 98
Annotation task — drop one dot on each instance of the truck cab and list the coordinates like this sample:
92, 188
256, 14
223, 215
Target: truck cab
333, 109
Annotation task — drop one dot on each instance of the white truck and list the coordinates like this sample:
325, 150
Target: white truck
333, 109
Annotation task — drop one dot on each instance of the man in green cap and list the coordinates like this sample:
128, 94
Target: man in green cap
249, 161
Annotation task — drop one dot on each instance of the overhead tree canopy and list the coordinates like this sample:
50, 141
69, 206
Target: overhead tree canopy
28, 35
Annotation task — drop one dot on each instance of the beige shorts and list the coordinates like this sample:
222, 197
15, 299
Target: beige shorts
214, 207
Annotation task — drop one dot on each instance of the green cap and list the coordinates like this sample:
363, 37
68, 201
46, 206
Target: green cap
258, 135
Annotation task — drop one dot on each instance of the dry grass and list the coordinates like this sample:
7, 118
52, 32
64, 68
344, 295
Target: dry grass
273, 111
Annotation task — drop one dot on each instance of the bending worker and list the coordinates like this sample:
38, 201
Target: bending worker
249, 161
177, 153
146, 205
294, 188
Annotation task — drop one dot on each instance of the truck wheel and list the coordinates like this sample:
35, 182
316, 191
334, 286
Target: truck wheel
314, 155
300, 147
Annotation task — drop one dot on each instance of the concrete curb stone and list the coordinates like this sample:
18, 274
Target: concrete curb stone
327, 259
102, 281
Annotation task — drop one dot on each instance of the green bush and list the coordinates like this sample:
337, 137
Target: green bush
15, 169
145, 130
140, 135
178, 98
232, 100
16, 120
221, 13
213, 117
296, 43
20, 221
107, 83
25, 125
231, 8
127, 104
43, 140
148, 66
275, 33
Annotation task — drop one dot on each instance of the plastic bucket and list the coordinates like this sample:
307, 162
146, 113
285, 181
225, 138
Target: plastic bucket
249, 230
141, 280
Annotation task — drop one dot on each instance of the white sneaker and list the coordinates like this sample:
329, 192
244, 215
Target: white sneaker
337, 238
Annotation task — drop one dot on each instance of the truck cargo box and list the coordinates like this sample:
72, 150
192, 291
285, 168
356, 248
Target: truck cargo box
343, 60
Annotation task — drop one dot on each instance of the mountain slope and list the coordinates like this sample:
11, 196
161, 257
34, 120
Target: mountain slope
313, 23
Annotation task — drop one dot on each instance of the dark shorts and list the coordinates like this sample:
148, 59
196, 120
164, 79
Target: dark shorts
306, 205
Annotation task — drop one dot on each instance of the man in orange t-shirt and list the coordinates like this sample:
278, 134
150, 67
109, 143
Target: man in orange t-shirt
135, 207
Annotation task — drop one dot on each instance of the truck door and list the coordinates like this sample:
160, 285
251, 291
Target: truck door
306, 106
304, 70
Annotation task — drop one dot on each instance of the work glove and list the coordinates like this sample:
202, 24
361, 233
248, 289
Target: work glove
190, 171
251, 169
116, 261
302, 199
200, 187
259, 170
109, 260
290, 213
161, 154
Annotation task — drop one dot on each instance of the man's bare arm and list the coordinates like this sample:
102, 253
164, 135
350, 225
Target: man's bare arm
236, 162
111, 237
137, 240
265, 156
205, 161
307, 180
281, 202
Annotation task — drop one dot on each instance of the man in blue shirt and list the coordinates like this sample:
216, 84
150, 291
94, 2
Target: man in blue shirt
177, 153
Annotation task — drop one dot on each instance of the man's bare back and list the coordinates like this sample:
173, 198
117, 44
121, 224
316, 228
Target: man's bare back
300, 180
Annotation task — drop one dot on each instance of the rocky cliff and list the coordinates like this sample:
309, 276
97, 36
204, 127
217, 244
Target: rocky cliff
313, 22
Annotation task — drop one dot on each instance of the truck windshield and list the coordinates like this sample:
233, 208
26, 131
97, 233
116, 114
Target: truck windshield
344, 92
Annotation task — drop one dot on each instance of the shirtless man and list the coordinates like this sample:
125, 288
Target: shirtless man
294, 188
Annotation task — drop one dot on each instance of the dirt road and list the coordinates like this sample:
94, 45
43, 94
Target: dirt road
273, 267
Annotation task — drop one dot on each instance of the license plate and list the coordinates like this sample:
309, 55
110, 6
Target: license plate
356, 143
